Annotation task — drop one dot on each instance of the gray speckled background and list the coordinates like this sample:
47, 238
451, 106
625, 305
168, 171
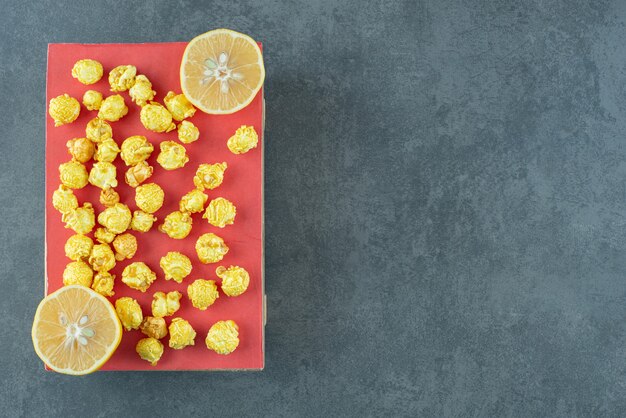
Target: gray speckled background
446, 224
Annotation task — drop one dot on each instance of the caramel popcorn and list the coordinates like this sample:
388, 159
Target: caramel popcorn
138, 276
73, 175
193, 202
210, 248
102, 257
142, 221
113, 108
125, 246
109, 197
235, 280
202, 293
165, 305
136, 149
104, 236
64, 109
107, 151
187, 132
223, 337
154, 327
139, 173
92, 100
98, 130
116, 218
220, 212
81, 149
244, 140
172, 155
177, 225
182, 334
149, 197
150, 349
103, 175
209, 176
129, 312
154, 117
179, 106
103, 283
63, 199
78, 247
77, 272
122, 77
87, 71
141, 92
81, 219
176, 266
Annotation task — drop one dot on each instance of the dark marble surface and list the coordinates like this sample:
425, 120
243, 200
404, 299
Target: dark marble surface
445, 199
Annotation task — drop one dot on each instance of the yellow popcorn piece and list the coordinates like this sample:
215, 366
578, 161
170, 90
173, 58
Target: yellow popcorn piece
182, 334
122, 77
78, 247
129, 312
103, 283
149, 197
136, 149
179, 106
235, 280
141, 92
150, 349
113, 108
102, 257
125, 246
188, 132
165, 305
220, 212
81, 149
81, 219
139, 173
193, 202
172, 155
77, 272
210, 248
176, 266
98, 130
177, 225
116, 218
223, 337
244, 140
92, 100
109, 197
202, 293
104, 236
142, 221
64, 109
156, 118
138, 276
209, 176
87, 71
154, 327
73, 175
103, 175
63, 199
106, 151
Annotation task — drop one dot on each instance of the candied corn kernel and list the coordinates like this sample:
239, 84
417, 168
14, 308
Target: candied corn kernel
125, 246
81, 149
63, 199
103, 175
102, 257
141, 92
209, 176
138, 276
113, 108
210, 248
136, 149
193, 202
182, 334
73, 175
235, 280
202, 293
104, 236
220, 212
176, 266
116, 218
81, 219
154, 117
64, 109
129, 312
150, 349
77, 272
188, 132
223, 337
179, 106
106, 151
165, 304
103, 283
244, 140
109, 197
142, 221
172, 155
154, 327
98, 130
92, 100
149, 197
87, 71
177, 225
122, 77
137, 174
78, 247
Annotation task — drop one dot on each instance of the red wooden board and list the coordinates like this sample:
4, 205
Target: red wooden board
243, 185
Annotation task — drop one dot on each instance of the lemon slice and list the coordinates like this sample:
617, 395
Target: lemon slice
75, 330
221, 71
